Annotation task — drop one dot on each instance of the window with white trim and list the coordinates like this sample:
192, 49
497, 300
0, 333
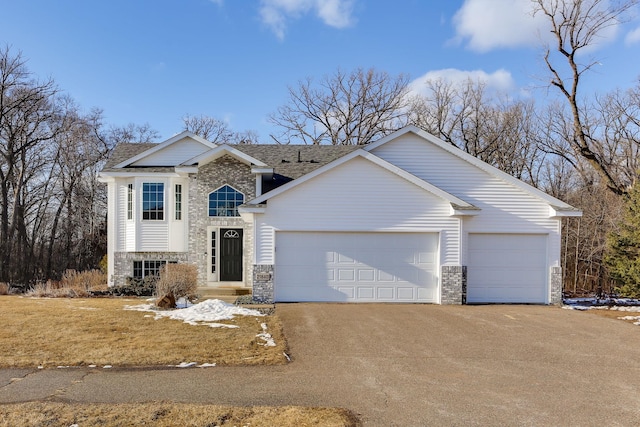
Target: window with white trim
130, 201
142, 269
153, 201
178, 196
225, 201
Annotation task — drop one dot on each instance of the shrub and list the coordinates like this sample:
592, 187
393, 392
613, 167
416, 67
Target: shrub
179, 280
5, 289
84, 281
136, 287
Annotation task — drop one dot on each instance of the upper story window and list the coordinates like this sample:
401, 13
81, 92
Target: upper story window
225, 201
130, 201
153, 201
178, 194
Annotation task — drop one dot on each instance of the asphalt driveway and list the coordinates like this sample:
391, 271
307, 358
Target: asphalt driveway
403, 365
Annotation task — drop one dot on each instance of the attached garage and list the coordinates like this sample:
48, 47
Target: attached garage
507, 268
356, 267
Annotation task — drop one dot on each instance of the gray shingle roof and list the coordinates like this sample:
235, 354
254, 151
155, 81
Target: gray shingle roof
288, 161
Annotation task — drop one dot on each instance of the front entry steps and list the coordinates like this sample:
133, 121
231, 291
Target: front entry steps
224, 293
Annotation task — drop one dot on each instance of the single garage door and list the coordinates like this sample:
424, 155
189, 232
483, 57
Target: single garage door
507, 268
356, 267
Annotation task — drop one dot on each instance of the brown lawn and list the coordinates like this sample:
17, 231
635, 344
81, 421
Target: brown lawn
35, 414
98, 331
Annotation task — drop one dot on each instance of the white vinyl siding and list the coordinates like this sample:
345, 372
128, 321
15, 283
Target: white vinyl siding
502, 204
139, 235
357, 196
505, 208
174, 154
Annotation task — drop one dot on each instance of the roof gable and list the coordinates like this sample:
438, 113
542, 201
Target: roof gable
455, 202
556, 204
219, 151
170, 152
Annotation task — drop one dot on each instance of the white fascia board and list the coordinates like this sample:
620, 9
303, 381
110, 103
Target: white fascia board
492, 170
113, 175
186, 169
220, 151
252, 209
376, 160
555, 212
262, 170
164, 144
105, 178
458, 211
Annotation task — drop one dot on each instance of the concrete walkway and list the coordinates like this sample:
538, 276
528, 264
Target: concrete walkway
403, 365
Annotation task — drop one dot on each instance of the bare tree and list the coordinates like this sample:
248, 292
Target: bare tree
209, 128
576, 26
349, 109
131, 133
497, 130
26, 125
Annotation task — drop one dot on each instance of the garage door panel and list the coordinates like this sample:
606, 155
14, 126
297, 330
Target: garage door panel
507, 268
359, 267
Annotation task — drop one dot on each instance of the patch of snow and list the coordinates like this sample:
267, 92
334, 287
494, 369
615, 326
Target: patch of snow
207, 365
207, 312
266, 337
107, 367
63, 367
91, 366
615, 304
186, 364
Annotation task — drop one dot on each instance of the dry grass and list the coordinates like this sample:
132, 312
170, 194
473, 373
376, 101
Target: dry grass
48, 414
74, 284
98, 331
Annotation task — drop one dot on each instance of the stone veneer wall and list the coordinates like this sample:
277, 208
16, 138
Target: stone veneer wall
556, 285
123, 262
263, 290
454, 284
210, 177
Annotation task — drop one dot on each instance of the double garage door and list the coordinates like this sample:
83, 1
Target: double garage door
507, 268
356, 267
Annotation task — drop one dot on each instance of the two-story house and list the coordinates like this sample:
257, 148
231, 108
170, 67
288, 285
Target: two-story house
408, 218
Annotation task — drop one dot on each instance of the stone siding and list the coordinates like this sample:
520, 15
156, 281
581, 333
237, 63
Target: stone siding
454, 284
556, 285
263, 290
123, 262
210, 177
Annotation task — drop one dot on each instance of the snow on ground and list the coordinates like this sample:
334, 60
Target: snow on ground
614, 304
207, 312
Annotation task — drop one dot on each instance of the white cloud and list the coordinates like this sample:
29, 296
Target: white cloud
499, 81
489, 24
633, 37
276, 13
485, 25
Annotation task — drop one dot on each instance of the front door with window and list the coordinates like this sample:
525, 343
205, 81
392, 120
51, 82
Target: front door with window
230, 255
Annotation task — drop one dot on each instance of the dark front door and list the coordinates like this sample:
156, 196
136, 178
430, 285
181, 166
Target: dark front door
230, 255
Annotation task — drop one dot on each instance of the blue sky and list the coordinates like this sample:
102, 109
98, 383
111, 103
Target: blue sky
156, 61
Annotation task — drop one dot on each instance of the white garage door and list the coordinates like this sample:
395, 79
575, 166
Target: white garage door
507, 268
356, 267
